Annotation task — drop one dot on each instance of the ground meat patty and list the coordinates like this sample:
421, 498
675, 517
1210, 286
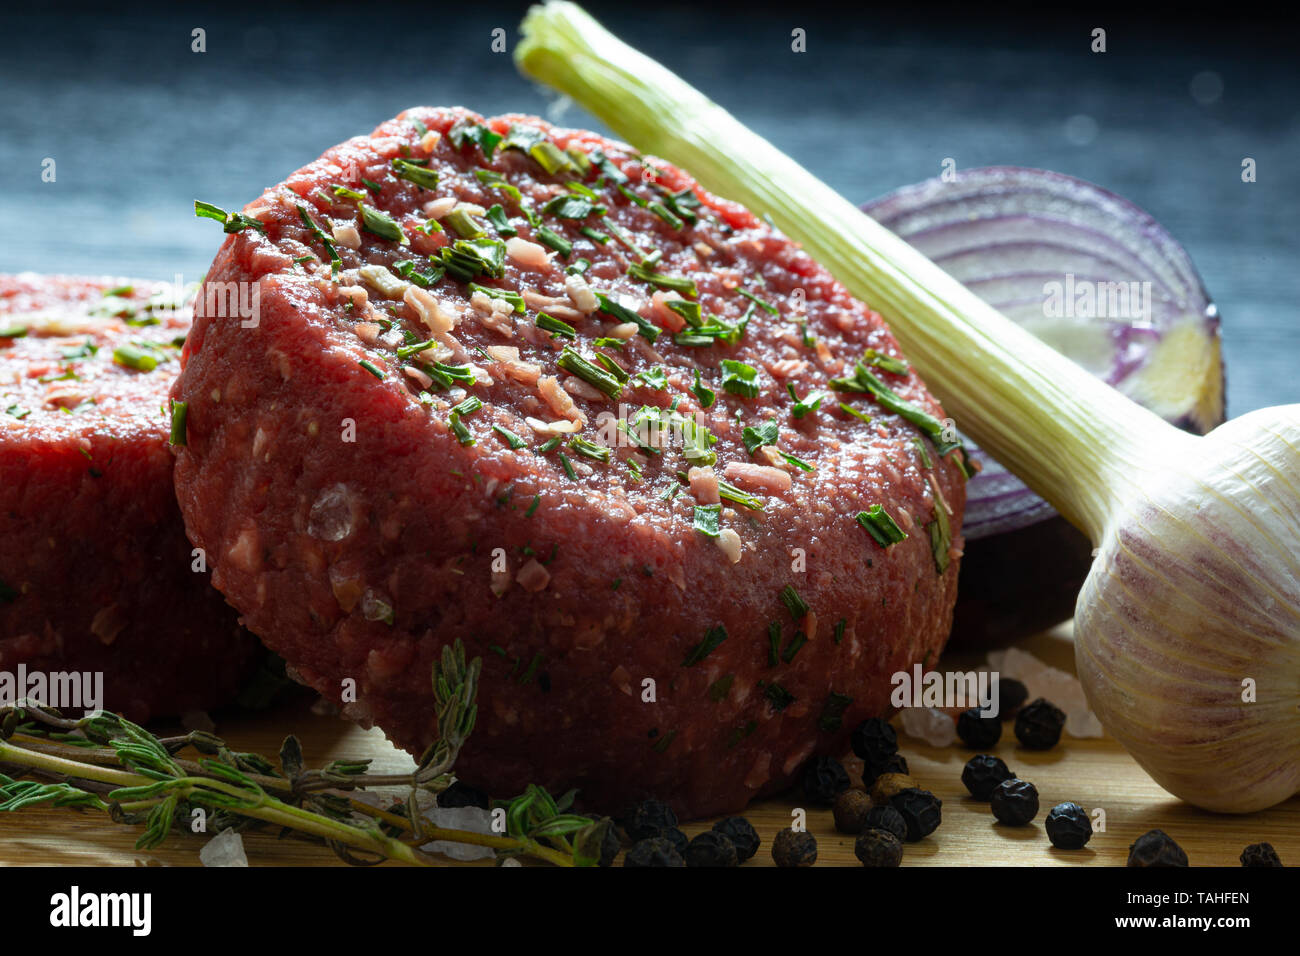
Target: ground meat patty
690, 621
95, 568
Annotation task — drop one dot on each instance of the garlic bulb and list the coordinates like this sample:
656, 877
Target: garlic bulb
1187, 631
1193, 603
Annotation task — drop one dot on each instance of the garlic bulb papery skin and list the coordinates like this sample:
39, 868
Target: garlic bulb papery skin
1193, 600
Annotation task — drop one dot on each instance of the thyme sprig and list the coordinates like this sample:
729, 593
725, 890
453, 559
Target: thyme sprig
105, 762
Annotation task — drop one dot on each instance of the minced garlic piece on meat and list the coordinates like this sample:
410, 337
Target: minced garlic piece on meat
345, 234
389, 286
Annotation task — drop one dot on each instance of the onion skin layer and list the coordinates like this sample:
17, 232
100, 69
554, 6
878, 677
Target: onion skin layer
1196, 590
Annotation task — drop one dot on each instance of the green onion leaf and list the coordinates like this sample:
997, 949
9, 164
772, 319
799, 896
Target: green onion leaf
180, 411
553, 239
590, 373
555, 326
623, 314
379, 223
739, 378
713, 637
702, 392
706, 519
881, 526
756, 438
231, 222
415, 173
513, 440
796, 605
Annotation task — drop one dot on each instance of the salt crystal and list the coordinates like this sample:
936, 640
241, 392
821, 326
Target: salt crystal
330, 517
1051, 683
933, 726
224, 849
473, 819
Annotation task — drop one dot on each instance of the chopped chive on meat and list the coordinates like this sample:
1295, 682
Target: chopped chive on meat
634, 468
555, 326
430, 227
579, 160
420, 128
609, 343
555, 241
463, 410
569, 207
922, 452
796, 605
326, 241
940, 538
832, 715
18, 412
864, 381
644, 273
791, 649
839, 629
612, 367
802, 406
522, 138
372, 368
718, 690
765, 306
778, 696
497, 216
624, 314
568, 467
855, 413
774, 643
406, 351
589, 449
756, 437
713, 637
537, 500
421, 274
739, 378
133, 356
415, 173
494, 180
796, 462
551, 158
706, 519
466, 132
230, 221
595, 235
577, 268
505, 295
887, 363
666, 214
656, 378
513, 440
379, 223
466, 258
702, 392
690, 311
632, 197
180, 411
574, 363
468, 406
303, 260
345, 192
729, 492
664, 742
464, 225
120, 290
881, 526
548, 446
373, 186
13, 331
606, 166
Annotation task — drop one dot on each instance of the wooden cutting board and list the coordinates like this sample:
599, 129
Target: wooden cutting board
1093, 773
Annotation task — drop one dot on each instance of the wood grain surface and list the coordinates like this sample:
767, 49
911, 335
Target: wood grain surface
1093, 773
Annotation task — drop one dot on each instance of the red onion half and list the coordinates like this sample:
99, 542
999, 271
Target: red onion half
1101, 281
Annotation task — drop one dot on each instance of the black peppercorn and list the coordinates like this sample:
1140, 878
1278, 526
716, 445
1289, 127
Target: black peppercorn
1014, 802
850, 811
739, 831
1068, 826
674, 836
1039, 725
1260, 854
1156, 848
894, 763
920, 810
1011, 694
874, 740
794, 848
823, 779
977, 731
886, 818
982, 773
878, 848
645, 819
653, 852
463, 795
710, 848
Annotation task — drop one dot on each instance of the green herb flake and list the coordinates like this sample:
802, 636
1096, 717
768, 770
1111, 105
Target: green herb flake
791, 649
702, 392
623, 314
179, 414
778, 696
765, 306
568, 467
590, 449
796, 605
643, 273
886, 363
231, 222
555, 241
666, 214
656, 378
465, 132
555, 326
713, 637
133, 356
729, 492
739, 378
940, 538
706, 519
372, 368
497, 216
756, 437
511, 439
379, 223
881, 526
840, 625
832, 715
575, 364
719, 689
415, 173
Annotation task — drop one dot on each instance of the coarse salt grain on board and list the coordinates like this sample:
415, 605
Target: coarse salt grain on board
628, 581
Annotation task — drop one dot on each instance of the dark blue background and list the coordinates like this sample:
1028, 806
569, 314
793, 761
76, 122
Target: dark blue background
140, 126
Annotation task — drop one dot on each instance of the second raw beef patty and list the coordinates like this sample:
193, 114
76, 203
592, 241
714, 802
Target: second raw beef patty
423, 444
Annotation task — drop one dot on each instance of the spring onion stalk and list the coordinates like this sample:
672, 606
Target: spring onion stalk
1188, 627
